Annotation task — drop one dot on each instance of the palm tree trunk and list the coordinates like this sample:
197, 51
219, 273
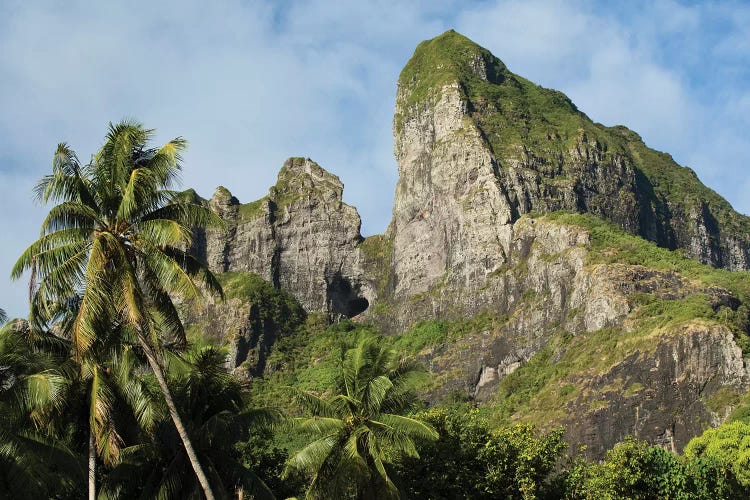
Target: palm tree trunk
181, 430
92, 465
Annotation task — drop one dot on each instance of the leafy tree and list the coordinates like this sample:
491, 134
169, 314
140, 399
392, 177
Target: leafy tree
453, 466
719, 459
471, 461
210, 401
632, 469
118, 236
362, 426
263, 454
519, 461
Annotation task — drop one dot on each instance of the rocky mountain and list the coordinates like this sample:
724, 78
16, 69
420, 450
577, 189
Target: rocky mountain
567, 273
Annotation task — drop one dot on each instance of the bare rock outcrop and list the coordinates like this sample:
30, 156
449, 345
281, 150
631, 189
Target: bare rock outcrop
301, 237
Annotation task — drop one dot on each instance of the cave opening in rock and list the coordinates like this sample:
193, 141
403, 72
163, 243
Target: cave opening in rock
344, 299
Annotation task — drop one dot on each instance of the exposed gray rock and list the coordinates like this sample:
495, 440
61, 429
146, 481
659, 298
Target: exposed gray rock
301, 237
666, 395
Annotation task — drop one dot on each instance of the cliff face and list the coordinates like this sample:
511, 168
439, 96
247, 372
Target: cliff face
558, 317
603, 345
301, 237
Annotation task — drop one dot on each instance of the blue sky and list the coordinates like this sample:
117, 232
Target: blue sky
250, 83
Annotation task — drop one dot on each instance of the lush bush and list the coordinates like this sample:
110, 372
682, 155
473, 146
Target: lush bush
469, 460
725, 448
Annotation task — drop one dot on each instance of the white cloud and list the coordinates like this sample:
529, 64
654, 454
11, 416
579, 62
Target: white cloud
250, 83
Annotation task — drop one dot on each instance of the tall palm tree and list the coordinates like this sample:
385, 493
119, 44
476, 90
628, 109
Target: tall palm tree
117, 236
362, 427
109, 378
210, 400
102, 388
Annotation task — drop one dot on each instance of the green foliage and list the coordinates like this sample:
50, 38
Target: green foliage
519, 462
681, 187
633, 469
728, 446
471, 461
270, 306
423, 334
612, 245
306, 360
261, 454
35, 460
115, 244
362, 426
378, 251
429, 333
451, 467
211, 403
253, 210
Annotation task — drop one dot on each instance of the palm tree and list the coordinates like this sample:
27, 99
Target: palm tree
33, 462
210, 401
117, 237
111, 383
362, 427
102, 388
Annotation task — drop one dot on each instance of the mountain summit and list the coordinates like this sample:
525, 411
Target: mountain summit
528, 262
547, 155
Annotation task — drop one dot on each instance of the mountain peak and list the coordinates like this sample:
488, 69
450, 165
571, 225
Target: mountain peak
533, 146
447, 58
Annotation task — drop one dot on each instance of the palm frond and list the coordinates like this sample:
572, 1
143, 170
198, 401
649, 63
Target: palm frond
311, 457
180, 208
314, 404
319, 425
70, 215
375, 392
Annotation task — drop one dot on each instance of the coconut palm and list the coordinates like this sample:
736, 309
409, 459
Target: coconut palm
116, 237
362, 427
210, 402
103, 388
109, 378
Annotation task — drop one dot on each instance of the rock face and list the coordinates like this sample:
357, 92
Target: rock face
667, 396
478, 146
483, 155
301, 237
